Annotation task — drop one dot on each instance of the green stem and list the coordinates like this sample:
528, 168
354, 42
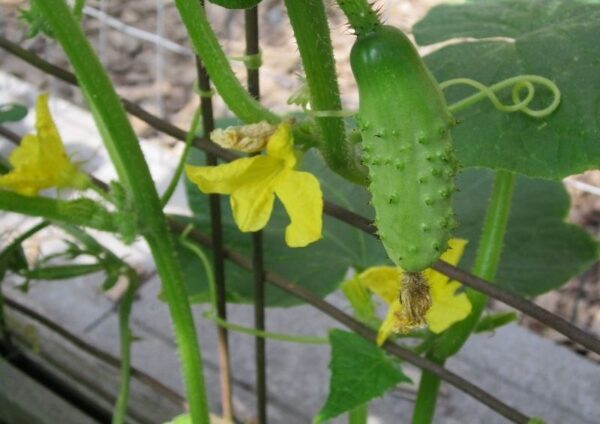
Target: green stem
206, 45
120, 410
78, 8
359, 415
83, 212
189, 138
360, 14
309, 21
128, 160
486, 266
282, 337
427, 394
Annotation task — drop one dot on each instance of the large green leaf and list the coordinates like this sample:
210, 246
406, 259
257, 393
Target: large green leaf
360, 371
557, 39
319, 267
541, 250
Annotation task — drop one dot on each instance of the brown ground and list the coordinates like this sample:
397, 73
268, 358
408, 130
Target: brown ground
131, 63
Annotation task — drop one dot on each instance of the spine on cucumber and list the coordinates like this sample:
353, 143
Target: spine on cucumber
404, 122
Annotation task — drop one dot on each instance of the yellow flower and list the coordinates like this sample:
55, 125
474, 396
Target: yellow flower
254, 181
446, 306
40, 161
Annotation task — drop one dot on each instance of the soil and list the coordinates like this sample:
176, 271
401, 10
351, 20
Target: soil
132, 64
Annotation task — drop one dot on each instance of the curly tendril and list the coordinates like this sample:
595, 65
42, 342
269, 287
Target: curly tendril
518, 83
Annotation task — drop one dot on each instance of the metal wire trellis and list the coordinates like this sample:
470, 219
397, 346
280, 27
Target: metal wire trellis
256, 265
340, 316
331, 209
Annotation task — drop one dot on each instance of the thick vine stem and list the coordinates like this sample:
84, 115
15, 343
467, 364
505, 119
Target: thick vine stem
84, 212
360, 14
486, 266
127, 157
309, 21
206, 45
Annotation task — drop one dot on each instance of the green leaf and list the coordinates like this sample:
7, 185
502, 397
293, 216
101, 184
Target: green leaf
12, 112
557, 39
541, 250
62, 272
320, 267
360, 371
493, 321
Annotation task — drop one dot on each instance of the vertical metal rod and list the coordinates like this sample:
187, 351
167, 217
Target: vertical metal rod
208, 125
252, 48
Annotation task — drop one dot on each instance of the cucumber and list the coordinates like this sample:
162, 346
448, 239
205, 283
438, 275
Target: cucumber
404, 123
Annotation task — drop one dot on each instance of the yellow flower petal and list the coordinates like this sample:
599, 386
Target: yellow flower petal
452, 255
281, 145
41, 161
252, 205
383, 281
392, 323
300, 193
447, 307
228, 177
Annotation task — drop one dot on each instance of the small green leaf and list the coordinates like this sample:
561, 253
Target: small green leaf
12, 260
493, 321
12, 112
36, 21
557, 39
541, 250
61, 272
360, 371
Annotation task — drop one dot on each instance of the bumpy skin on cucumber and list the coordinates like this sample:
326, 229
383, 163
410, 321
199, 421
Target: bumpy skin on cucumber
407, 147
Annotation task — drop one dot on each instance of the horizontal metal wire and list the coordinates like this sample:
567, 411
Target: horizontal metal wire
529, 308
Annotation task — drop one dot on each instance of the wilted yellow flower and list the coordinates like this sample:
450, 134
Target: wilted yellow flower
443, 306
40, 161
245, 138
254, 181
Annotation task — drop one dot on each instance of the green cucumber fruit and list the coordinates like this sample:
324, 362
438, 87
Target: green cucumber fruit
404, 123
